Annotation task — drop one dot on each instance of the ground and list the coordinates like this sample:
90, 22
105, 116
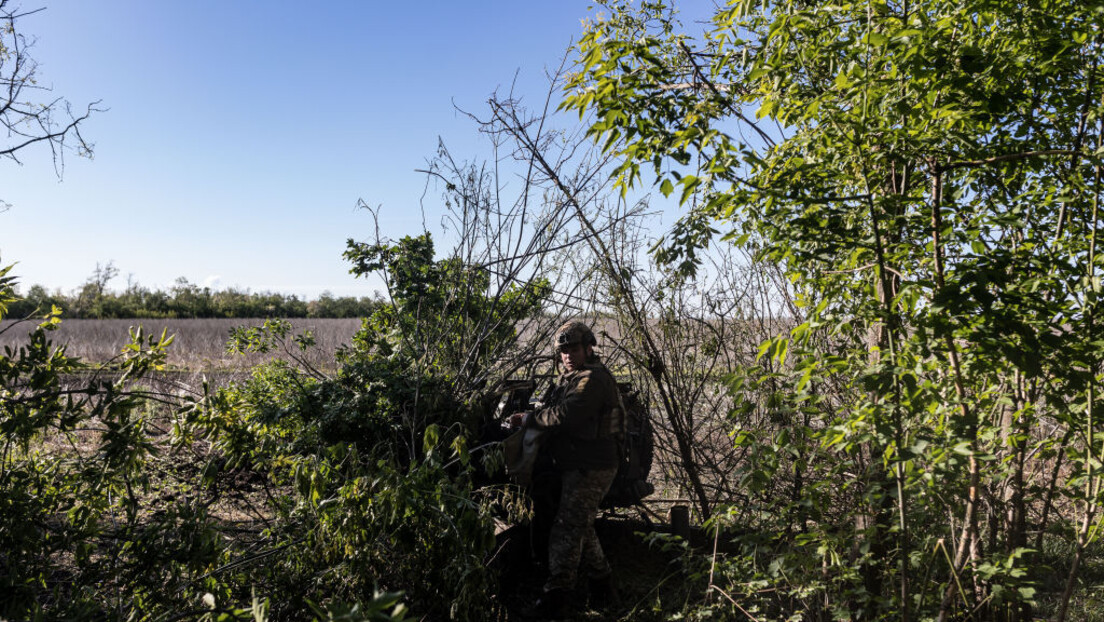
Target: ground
643, 571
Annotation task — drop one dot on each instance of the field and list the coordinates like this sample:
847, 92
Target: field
199, 345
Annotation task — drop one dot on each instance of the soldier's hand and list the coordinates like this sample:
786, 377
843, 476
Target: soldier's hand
517, 419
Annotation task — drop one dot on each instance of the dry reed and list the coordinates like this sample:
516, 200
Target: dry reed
199, 345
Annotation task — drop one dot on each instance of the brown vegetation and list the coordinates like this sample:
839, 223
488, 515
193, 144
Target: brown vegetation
199, 345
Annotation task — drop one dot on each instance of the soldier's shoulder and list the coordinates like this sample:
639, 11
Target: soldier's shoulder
598, 370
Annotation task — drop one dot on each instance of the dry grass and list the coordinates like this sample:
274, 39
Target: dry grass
199, 345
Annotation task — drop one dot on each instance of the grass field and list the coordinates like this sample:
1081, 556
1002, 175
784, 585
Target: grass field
199, 345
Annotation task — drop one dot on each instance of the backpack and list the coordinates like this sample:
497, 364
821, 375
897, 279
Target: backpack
637, 444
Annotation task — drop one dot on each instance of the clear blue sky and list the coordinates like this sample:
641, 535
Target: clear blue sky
240, 134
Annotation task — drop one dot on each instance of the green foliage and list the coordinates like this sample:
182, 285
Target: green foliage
418, 529
350, 512
366, 473
445, 317
928, 177
57, 517
370, 466
384, 607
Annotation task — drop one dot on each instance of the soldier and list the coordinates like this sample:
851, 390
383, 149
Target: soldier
584, 421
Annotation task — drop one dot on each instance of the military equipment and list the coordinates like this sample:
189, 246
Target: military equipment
572, 333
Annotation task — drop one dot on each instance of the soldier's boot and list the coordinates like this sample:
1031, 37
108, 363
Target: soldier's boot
603, 593
551, 604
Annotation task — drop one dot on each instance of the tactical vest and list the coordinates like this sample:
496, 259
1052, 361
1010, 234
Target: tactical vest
589, 440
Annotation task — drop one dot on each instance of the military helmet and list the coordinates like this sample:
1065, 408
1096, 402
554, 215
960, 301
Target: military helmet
575, 332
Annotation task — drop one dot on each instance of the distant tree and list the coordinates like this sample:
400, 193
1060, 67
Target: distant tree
30, 113
190, 300
37, 301
327, 305
185, 299
90, 297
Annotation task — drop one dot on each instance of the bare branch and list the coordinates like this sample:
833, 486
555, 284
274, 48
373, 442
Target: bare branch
28, 112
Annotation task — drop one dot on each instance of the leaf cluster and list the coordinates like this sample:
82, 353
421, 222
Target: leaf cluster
927, 175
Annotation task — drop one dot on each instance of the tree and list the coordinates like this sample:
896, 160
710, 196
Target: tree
927, 173
30, 112
90, 296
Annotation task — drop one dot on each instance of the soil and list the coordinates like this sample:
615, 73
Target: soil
644, 573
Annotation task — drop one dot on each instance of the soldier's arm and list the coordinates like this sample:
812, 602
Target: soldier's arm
586, 396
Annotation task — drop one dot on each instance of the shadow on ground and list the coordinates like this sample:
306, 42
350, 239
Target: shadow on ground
644, 572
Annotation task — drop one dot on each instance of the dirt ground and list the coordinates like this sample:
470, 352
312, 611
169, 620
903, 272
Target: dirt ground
644, 573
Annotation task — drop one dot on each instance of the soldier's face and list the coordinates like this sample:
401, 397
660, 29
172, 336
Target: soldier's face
573, 356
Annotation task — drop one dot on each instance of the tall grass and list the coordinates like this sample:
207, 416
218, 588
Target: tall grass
199, 344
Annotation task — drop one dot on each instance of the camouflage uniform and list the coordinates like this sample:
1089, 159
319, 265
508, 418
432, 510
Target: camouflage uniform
585, 418
574, 543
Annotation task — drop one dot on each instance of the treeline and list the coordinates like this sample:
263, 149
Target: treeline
185, 300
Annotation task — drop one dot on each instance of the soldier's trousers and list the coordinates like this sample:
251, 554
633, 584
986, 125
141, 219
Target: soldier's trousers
573, 544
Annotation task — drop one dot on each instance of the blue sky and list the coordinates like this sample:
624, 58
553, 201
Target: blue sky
240, 134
